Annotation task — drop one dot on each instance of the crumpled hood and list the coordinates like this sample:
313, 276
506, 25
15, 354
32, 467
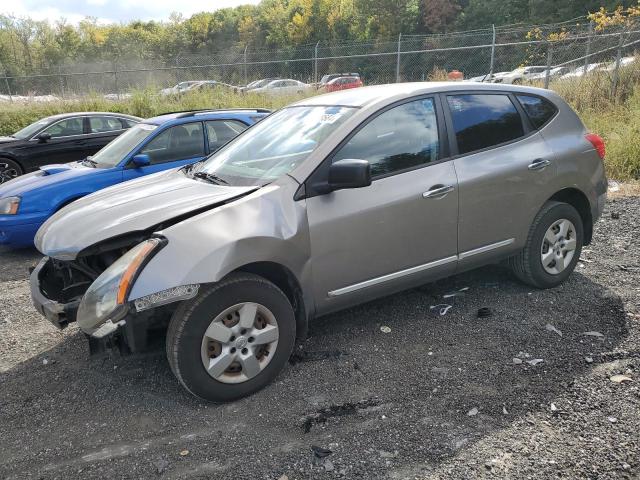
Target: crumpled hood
132, 206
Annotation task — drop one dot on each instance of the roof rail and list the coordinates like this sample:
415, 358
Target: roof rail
189, 113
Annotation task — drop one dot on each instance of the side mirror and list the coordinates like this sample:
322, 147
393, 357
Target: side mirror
44, 137
141, 160
349, 173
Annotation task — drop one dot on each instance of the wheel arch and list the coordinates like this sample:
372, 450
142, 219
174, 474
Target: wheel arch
580, 202
286, 281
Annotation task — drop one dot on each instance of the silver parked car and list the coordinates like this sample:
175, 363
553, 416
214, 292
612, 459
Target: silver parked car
325, 204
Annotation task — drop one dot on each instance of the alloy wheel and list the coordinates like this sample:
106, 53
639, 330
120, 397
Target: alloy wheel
239, 343
7, 173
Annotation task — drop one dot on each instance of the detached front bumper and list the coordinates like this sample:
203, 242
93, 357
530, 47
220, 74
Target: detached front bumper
59, 314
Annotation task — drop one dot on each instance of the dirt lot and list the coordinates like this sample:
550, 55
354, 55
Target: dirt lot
439, 396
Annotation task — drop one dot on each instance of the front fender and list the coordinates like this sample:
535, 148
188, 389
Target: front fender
265, 226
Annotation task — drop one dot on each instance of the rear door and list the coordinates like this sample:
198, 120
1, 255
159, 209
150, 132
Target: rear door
173, 147
102, 129
503, 165
399, 231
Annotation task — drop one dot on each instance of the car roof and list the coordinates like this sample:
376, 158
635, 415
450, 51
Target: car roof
183, 117
365, 96
61, 116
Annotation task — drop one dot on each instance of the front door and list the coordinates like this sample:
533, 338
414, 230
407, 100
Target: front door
67, 143
399, 231
174, 147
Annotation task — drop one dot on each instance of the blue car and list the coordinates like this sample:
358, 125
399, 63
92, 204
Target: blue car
156, 144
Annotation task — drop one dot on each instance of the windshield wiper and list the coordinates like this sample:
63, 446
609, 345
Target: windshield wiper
90, 162
210, 177
190, 166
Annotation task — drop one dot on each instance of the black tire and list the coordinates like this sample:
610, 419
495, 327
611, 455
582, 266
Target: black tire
527, 265
12, 170
192, 318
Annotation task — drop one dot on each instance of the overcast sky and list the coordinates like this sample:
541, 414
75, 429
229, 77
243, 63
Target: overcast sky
111, 10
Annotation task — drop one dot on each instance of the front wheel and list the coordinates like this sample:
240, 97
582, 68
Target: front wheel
9, 170
553, 246
232, 339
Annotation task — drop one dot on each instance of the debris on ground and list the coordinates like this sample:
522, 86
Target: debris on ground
484, 312
516, 361
320, 452
45, 361
593, 334
184, 453
612, 419
457, 293
620, 378
588, 359
535, 361
613, 186
385, 329
473, 412
554, 409
551, 328
161, 465
443, 308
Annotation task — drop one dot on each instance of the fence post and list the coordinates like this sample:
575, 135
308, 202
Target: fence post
244, 60
398, 59
177, 62
61, 81
588, 53
115, 79
547, 72
315, 63
6, 82
493, 51
616, 71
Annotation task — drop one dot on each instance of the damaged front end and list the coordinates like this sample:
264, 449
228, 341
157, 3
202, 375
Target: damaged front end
93, 290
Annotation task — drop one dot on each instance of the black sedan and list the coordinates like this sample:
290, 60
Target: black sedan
59, 139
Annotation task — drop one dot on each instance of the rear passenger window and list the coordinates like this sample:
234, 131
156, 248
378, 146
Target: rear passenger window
538, 109
482, 121
220, 132
403, 137
104, 124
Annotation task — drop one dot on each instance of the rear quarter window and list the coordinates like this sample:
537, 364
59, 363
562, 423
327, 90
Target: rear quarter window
539, 110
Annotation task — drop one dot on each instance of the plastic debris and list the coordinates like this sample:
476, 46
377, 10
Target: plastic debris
385, 329
443, 308
484, 312
553, 329
473, 412
613, 186
620, 379
535, 361
45, 361
554, 409
612, 419
593, 334
184, 453
504, 410
516, 361
457, 293
588, 359
320, 452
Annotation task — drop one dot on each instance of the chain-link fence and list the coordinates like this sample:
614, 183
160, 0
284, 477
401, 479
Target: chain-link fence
565, 49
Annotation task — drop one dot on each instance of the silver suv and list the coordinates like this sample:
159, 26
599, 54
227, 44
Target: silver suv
325, 204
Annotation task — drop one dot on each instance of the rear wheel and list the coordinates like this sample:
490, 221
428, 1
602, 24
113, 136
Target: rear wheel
9, 170
232, 339
553, 246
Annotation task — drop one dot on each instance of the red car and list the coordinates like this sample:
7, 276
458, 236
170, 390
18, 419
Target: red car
343, 83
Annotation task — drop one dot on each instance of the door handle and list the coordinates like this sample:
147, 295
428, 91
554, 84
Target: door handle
438, 191
539, 164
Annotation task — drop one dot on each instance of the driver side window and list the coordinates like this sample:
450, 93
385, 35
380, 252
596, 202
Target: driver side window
403, 137
66, 128
176, 143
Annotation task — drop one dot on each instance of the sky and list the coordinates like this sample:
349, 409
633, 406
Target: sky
107, 11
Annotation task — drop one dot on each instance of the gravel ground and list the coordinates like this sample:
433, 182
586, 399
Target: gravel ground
438, 396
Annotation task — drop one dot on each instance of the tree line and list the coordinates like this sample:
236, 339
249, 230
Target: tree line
28, 46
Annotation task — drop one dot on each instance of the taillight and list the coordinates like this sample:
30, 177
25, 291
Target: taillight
598, 143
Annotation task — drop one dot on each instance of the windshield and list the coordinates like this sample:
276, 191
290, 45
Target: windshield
114, 152
30, 130
276, 145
